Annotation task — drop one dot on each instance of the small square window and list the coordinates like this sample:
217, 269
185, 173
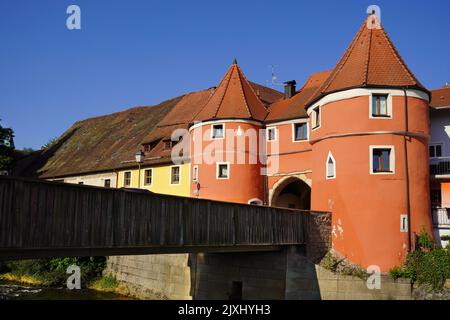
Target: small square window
217, 131
107, 183
380, 105
300, 131
148, 177
127, 179
223, 171
381, 160
175, 175
435, 150
271, 134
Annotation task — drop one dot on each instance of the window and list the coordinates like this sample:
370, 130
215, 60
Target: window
127, 179
315, 117
107, 183
223, 170
148, 177
271, 134
217, 131
195, 173
167, 144
147, 147
403, 223
380, 105
81, 183
435, 150
175, 175
331, 167
382, 160
300, 131
435, 197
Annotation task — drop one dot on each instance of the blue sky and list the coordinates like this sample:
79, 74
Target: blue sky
134, 52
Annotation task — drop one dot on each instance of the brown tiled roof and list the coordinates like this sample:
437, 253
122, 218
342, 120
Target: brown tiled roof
96, 144
180, 116
440, 98
184, 113
265, 94
294, 107
371, 60
109, 142
234, 98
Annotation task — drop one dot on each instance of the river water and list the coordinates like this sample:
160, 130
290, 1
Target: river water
14, 291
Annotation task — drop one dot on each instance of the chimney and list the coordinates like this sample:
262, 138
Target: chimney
289, 89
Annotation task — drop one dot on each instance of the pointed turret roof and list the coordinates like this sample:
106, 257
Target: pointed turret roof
371, 60
234, 98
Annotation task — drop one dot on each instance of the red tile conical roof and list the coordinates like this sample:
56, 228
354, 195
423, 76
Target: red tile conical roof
234, 98
371, 60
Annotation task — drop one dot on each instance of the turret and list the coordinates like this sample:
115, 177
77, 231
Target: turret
225, 161
369, 136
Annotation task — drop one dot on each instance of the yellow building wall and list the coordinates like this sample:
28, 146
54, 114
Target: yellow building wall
160, 180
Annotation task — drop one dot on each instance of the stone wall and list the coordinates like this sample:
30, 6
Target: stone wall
308, 281
286, 274
162, 276
262, 275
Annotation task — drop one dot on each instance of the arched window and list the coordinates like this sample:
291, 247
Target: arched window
331, 166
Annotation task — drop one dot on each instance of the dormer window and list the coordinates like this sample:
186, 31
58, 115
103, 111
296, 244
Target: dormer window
217, 131
167, 144
147, 147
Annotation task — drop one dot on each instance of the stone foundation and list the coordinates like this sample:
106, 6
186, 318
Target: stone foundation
286, 274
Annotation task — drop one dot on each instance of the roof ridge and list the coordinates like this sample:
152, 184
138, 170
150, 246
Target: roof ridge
243, 93
366, 69
343, 60
230, 72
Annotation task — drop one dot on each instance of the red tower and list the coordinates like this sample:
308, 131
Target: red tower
369, 136
225, 162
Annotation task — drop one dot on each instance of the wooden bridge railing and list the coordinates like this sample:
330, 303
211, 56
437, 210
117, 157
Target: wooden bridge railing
36, 214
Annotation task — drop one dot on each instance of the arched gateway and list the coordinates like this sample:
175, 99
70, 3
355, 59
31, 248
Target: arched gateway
292, 192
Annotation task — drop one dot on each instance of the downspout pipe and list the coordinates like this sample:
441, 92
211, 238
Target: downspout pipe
405, 146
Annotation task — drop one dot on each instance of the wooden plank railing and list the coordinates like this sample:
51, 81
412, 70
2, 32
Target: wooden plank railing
37, 214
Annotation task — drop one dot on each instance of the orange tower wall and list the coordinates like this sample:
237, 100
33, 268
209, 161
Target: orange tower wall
245, 179
366, 208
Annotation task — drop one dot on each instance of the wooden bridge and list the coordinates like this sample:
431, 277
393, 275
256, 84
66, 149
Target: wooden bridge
50, 219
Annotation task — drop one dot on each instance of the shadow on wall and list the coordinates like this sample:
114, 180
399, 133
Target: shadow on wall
253, 275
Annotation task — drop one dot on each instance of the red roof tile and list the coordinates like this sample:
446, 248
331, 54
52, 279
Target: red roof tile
371, 60
294, 107
440, 98
233, 98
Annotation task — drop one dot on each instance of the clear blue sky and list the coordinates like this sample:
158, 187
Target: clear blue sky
133, 52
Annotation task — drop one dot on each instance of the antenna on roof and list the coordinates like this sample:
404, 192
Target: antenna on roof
273, 81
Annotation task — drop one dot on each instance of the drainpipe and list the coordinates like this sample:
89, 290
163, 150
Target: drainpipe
405, 146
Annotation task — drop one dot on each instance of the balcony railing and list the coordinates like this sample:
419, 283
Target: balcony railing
440, 166
441, 217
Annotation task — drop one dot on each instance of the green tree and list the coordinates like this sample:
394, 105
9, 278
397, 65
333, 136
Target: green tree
6, 149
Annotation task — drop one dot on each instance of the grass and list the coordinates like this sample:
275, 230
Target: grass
23, 279
106, 283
